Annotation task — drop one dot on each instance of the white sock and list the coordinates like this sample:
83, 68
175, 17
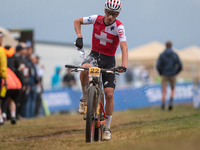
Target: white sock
83, 90
13, 114
4, 115
1, 119
108, 121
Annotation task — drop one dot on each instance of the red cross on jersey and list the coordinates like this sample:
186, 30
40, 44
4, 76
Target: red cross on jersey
105, 39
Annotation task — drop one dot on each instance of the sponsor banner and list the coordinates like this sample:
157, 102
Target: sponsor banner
61, 100
196, 96
151, 96
128, 98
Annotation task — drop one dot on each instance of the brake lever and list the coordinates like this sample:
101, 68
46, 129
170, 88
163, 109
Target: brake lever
115, 71
74, 70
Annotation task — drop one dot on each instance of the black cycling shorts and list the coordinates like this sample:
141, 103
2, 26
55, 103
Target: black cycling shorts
103, 61
12, 93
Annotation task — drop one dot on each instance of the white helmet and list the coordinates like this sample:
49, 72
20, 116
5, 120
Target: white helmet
114, 5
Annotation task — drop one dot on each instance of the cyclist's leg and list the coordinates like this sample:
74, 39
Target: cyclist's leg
90, 61
109, 81
109, 96
84, 78
109, 92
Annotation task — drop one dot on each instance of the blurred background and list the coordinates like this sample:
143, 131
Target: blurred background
148, 24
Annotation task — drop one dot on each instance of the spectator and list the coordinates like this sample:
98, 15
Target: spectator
145, 77
1, 38
39, 90
3, 74
129, 76
13, 83
56, 79
22, 71
168, 66
32, 85
68, 79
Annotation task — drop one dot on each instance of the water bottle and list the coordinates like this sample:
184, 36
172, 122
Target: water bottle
81, 51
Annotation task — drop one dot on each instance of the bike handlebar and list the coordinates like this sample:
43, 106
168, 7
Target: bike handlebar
76, 69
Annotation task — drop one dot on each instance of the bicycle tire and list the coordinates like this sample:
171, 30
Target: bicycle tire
99, 131
90, 121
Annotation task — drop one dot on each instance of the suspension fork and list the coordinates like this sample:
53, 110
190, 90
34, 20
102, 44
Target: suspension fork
97, 105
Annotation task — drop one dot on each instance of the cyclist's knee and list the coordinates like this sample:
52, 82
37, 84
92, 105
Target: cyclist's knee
84, 74
87, 65
109, 96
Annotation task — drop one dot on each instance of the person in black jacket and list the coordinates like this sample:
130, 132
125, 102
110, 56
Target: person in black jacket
32, 84
168, 66
22, 72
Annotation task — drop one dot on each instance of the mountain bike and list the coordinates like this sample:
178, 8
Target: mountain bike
94, 113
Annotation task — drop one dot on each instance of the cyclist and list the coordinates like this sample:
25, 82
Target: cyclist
108, 33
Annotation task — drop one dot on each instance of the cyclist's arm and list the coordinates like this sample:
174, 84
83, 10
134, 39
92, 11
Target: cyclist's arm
123, 45
124, 49
85, 20
77, 27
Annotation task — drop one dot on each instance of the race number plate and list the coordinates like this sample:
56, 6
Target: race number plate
95, 71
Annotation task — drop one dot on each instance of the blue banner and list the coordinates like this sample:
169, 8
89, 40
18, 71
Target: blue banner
196, 96
62, 100
126, 98
150, 96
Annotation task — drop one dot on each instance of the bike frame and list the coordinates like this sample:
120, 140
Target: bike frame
95, 106
94, 80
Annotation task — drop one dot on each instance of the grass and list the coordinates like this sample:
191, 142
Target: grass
148, 128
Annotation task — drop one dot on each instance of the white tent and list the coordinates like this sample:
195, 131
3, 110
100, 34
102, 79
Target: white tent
191, 54
143, 54
147, 55
190, 57
8, 40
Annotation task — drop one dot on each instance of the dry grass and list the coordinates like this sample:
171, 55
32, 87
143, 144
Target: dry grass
148, 128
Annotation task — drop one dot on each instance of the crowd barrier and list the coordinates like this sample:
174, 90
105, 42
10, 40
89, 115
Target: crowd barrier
126, 98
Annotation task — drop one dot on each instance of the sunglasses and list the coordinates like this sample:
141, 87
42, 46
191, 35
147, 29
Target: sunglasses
114, 14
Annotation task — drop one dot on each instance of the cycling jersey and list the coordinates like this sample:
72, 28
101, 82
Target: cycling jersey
105, 38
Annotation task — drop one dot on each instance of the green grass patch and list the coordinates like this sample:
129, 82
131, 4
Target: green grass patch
147, 128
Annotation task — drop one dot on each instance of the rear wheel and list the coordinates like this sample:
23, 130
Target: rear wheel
90, 122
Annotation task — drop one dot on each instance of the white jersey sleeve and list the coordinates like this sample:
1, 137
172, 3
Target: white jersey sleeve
90, 19
121, 33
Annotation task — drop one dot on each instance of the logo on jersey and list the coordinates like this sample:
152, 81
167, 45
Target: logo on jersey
121, 33
103, 38
89, 19
112, 28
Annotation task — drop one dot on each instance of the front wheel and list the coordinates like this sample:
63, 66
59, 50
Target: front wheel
90, 121
99, 131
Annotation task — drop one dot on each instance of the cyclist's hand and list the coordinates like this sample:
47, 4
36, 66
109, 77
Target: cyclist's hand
121, 69
79, 42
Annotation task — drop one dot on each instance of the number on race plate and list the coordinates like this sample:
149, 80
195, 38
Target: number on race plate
94, 71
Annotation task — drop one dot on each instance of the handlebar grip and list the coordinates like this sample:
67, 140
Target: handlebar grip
70, 66
76, 67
